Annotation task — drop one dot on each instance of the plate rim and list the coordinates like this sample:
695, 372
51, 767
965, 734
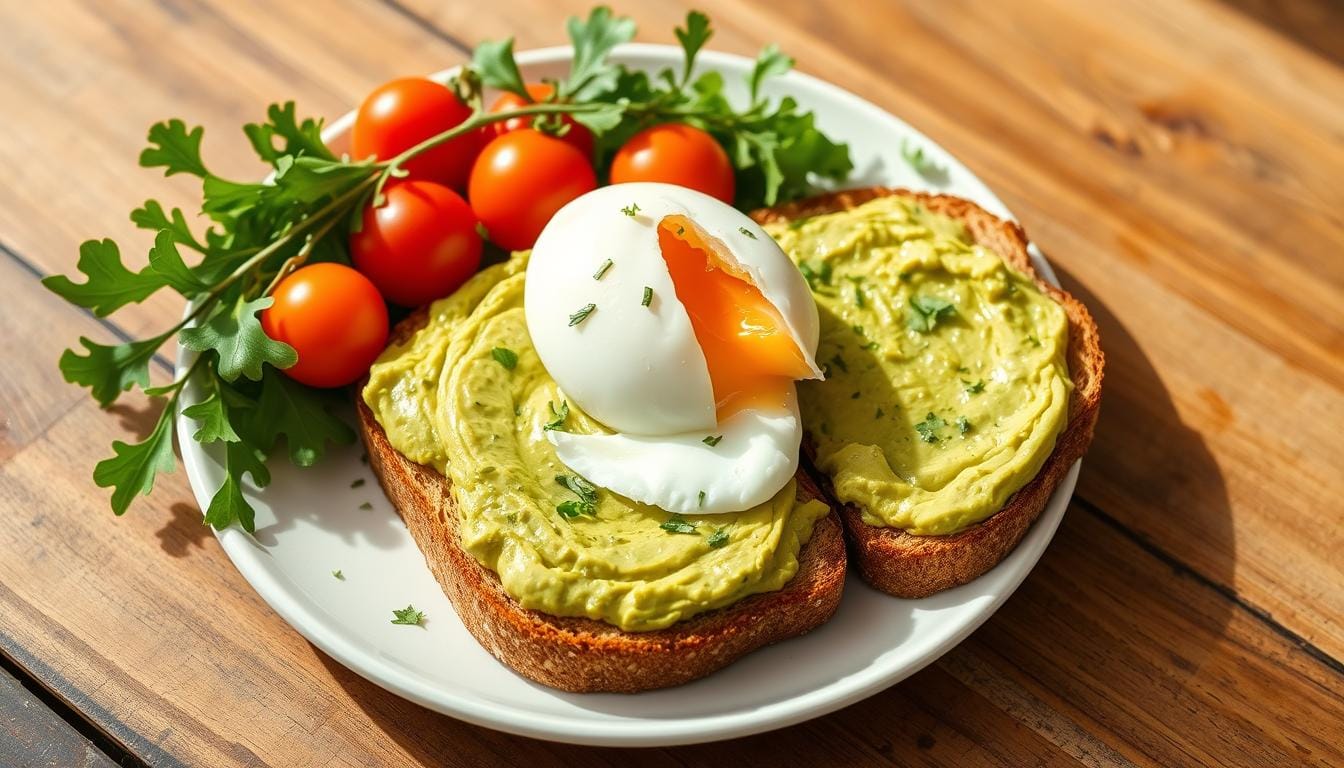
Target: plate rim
246, 555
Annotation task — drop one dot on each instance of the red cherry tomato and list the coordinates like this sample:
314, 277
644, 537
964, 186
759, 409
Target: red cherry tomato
676, 153
577, 136
333, 317
420, 245
400, 114
520, 180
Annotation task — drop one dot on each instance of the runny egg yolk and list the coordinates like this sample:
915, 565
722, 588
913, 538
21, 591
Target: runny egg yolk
752, 358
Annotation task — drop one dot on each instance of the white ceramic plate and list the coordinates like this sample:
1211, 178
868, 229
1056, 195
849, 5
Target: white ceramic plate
309, 523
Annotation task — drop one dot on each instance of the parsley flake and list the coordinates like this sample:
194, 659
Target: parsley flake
581, 315
974, 389
338, 575
926, 311
572, 509
357, 483
581, 487
963, 424
928, 428
408, 616
366, 506
505, 357
879, 414
678, 524
712, 440
702, 500
718, 538
631, 209
559, 421
747, 232
648, 297
602, 270
840, 363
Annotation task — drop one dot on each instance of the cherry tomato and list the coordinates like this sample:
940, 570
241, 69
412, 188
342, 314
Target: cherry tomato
420, 245
333, 317
400, 114
520, 180
676, 153
577, 136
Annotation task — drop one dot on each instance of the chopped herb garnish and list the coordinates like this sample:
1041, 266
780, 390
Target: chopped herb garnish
357, 483
1035, 342
963, 425
858, 296
482, 231
974, 389
718, 538
559, 421
338, 575
747, 232
840, 363
631, 209
648, 297
505, 357
926, 311
366, 506
854, 396
702, 499
879, 414
870, 346
408, 616
922, 163
572, 508
602, 270
857, 329
712, 440
517, 410
678, 524
817, 277
581, 315
798, 223
681, 230
581, 487
928, 428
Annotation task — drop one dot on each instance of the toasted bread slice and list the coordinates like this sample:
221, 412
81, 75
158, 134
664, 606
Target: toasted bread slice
906, 565
580, 654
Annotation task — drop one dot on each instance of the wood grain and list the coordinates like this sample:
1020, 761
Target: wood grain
31, 735
1180, 162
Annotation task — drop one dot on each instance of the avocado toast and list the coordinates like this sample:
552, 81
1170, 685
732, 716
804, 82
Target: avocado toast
910, 565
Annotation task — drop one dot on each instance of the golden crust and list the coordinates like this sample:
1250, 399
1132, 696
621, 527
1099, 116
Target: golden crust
583, 655
906, 565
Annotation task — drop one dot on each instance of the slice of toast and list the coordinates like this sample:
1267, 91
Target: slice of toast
906, 565
580, 654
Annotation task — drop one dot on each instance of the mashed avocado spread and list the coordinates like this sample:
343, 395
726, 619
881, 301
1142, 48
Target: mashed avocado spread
470, 386
946, 380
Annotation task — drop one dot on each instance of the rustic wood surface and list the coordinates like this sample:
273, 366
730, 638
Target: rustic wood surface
1181, 162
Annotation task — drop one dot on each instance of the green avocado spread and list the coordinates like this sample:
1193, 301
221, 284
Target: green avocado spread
946, 381
456, 389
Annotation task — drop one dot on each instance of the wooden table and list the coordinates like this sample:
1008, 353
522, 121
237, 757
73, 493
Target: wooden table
1181, 162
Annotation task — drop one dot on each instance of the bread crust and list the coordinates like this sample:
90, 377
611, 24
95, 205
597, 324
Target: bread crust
579, 654
910, 566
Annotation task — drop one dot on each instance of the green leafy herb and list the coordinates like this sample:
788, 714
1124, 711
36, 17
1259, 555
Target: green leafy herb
839, 362
572, 509
558, 416
926, 311
915, 157
408, 616
366, 507
879, 414
631, 209
701, 498
581, 315
974, 388
648, 297
581, 487
678, 524
871, 346
1035, 342
963, 425
928, 428
505, 357
357, 483
338, 575
494, 62
818, 278
718, 538
712, 440
602, 270
747, 232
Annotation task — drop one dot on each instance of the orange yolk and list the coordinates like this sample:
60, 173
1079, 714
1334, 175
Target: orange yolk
752, 358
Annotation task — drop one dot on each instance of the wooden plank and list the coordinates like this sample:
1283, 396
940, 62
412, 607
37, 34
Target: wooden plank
33, 736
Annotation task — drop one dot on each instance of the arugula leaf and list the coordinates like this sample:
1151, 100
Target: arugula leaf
236, 335
495, 63
109, 371
228, 506
300, 414
151, 216
213, 415
678, 524
590, 73
769, 63
309, 180
110, 285
601, 120
165, 261
926, 311
131, 471
174, 149
300, 138
408, 616
692, 38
